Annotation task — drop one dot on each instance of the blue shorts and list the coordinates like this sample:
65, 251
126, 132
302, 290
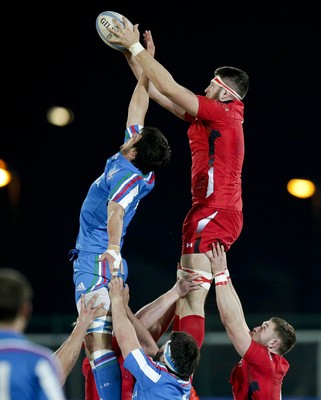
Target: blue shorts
91, 274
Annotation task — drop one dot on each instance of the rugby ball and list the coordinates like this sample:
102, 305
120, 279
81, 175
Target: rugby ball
105, 20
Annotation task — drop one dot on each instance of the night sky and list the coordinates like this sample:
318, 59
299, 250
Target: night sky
54, 56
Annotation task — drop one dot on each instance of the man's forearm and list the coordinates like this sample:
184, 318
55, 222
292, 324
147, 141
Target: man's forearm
69, 351
228, 307
156, 73
144, 337
152, 312
123, 328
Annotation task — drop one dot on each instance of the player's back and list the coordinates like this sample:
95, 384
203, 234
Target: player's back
27, 371
120, 182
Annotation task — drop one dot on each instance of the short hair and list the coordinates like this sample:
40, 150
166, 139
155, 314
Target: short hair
15, 290
235, 78
185, 353
153, 150
285, 333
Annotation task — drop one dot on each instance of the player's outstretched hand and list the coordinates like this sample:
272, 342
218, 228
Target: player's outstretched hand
217, 257
126, 36
149, 43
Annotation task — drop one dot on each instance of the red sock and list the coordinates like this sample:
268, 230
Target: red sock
90, 384
195, 326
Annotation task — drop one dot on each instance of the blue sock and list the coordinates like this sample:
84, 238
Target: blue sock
107, 375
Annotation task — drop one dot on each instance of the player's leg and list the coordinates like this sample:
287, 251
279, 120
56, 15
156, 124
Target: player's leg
202, 227
190, 310
103, 360
91, 277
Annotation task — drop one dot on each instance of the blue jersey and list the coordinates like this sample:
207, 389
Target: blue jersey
27, 371
153, 381
121, 182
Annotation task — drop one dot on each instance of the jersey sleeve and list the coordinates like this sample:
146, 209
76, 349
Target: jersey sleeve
142, 368
131, 131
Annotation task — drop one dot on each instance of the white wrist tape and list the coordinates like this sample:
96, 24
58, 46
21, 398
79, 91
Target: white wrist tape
220, 279
117, 261
136, 48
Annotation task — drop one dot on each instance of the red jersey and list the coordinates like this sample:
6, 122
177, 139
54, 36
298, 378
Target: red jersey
216, 141
259, 375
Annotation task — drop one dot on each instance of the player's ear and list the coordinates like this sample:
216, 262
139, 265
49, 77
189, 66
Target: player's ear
132, 154
226, 95
274, 343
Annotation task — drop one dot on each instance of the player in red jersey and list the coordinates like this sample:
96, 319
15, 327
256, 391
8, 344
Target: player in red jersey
259, 374
156, 317
216, 141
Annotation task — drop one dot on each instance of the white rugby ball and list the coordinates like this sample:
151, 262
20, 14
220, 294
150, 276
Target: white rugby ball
104, 20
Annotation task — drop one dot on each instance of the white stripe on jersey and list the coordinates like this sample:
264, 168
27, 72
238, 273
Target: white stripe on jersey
48, 380
129, 197
203, 222
132, 177
143, 365
5, 370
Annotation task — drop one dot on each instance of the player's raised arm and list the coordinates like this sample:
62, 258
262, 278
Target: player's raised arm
139, 102
157, 74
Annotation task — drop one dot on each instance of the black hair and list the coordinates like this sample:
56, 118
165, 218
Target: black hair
184, 353
235, 78
153, 150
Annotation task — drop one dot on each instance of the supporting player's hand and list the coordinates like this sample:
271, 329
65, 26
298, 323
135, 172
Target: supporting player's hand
187, 283
116, 289
126, 295
88, 312
217, 257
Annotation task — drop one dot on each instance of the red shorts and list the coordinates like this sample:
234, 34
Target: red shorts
205, 225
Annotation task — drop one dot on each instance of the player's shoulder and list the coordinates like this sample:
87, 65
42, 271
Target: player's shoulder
28, 349
38, 350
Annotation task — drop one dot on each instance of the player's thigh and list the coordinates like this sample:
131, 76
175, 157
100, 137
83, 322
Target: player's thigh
196, 262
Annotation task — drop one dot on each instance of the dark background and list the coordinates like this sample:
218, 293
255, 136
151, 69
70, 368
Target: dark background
52, 55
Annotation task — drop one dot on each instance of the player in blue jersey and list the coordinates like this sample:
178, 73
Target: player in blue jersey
168, 375
150, 323
28, 371
106, 212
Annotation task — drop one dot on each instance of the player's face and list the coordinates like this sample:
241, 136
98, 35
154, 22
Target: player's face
213, 91
264, 333
130, 143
